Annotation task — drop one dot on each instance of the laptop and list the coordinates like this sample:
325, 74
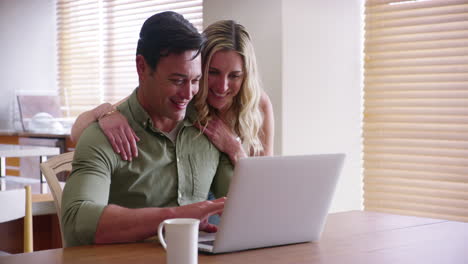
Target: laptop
275, 201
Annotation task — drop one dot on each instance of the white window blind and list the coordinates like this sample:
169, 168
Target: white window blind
416, 108
97, 42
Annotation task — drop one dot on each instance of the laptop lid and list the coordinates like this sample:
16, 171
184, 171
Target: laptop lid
277, 200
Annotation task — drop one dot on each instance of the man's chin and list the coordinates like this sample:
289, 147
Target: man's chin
179, 116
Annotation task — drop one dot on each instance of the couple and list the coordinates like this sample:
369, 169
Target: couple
173, 166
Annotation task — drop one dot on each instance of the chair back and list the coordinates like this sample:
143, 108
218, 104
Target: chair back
17, 204
50, 169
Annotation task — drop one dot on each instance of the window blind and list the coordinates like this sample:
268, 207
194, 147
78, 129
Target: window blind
97, 43
415, 128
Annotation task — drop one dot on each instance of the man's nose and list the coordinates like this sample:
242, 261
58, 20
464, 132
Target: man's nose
187, 91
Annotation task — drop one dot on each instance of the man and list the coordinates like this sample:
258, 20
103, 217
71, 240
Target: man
109, 200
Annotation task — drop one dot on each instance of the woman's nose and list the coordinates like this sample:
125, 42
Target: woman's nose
221, 85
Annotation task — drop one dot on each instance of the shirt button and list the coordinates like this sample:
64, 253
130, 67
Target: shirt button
180, 195
144, 123
178, 160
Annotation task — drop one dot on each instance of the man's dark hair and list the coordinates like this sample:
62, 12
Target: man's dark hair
166, 33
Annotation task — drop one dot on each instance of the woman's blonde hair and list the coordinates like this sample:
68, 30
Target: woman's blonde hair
229, 35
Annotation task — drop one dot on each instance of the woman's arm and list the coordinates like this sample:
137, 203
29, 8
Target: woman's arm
224, 139
113, 124
228, 142
86, 118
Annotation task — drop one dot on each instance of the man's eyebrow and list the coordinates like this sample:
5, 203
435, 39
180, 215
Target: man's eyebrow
179, 75
183, 75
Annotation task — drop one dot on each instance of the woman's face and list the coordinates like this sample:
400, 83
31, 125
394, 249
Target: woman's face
225, 77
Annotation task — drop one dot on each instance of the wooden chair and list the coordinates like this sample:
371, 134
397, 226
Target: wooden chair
16, 204
50, 169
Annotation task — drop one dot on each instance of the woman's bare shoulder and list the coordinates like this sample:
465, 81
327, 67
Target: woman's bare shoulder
265, 103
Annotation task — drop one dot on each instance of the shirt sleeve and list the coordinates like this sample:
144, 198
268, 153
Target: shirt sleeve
86, 192
222, 179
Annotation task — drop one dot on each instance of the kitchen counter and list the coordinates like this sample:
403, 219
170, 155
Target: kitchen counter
17, 133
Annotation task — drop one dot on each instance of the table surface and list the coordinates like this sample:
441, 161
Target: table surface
349, 237
40, 190
42, 199
7, 150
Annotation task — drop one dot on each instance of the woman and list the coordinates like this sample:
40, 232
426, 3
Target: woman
233, 110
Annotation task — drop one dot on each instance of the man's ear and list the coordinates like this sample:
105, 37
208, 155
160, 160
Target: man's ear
141, 66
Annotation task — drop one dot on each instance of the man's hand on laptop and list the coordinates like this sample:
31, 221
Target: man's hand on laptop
203, 210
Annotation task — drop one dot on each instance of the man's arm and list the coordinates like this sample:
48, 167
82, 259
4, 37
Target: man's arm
86, 216
119, 224
86, 192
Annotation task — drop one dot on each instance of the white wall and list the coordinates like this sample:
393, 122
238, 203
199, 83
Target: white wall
310, 57
265, 31
322, 86
27, 38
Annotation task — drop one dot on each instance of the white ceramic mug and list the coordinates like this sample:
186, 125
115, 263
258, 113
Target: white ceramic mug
180, 240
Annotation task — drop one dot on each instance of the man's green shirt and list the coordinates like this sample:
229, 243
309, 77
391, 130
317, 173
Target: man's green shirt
164, 174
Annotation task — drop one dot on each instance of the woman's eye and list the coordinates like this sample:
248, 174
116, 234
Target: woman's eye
212, 72
235, 76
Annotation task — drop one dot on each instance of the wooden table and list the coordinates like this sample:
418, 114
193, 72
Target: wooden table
349, 237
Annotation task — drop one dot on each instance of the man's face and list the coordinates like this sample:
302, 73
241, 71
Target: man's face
166, 91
